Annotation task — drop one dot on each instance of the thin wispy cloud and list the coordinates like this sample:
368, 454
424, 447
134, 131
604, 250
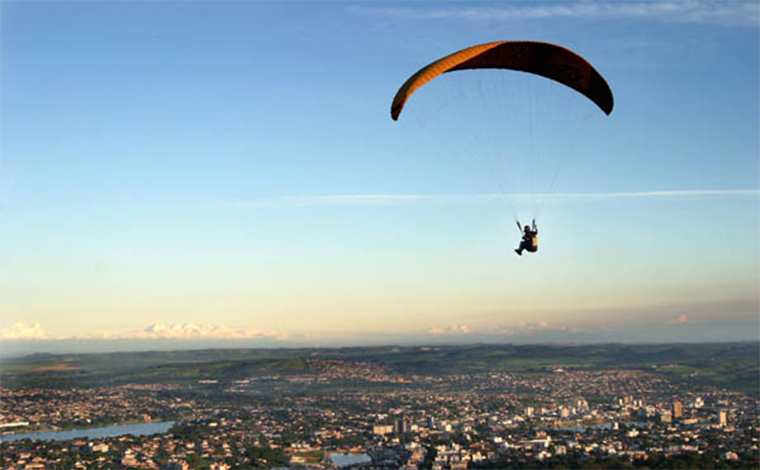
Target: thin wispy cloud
361, 198
386, 199
725, 13
697, 193
337, 199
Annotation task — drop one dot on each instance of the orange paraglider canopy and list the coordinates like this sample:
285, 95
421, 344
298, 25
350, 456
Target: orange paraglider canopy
548, 60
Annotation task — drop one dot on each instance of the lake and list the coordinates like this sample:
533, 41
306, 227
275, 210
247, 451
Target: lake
137, 429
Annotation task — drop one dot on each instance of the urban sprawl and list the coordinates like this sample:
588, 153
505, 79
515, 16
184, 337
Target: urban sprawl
362, 415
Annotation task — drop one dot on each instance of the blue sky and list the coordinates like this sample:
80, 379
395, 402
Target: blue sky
206, 170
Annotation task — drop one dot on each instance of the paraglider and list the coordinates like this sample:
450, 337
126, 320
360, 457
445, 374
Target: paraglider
540, 58
551, 61
529, 241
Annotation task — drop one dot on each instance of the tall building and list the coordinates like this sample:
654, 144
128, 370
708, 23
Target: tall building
401, 425
677, 410
723, 417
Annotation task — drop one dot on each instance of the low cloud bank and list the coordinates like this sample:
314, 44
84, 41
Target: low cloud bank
23, 331
450, 330
177, 331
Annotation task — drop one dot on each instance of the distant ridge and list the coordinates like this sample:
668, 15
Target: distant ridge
732, 365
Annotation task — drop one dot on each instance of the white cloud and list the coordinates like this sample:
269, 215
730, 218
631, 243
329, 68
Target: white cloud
193, 331
184, 331
23, 331
726, 13
542, 325
384, 199
450, 330
679, 319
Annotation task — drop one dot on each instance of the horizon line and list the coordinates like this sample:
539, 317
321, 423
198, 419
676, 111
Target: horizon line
441, 344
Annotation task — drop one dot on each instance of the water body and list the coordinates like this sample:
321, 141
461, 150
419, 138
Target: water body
137, 429
345, 460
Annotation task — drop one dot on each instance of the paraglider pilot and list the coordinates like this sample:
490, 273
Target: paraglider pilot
529, 240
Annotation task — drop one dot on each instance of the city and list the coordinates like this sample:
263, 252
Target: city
339, 413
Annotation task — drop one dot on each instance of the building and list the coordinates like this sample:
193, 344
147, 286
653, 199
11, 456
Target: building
696, 402
723, 417
97, 447
177, 465
677, 410
382, 429
401, 425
